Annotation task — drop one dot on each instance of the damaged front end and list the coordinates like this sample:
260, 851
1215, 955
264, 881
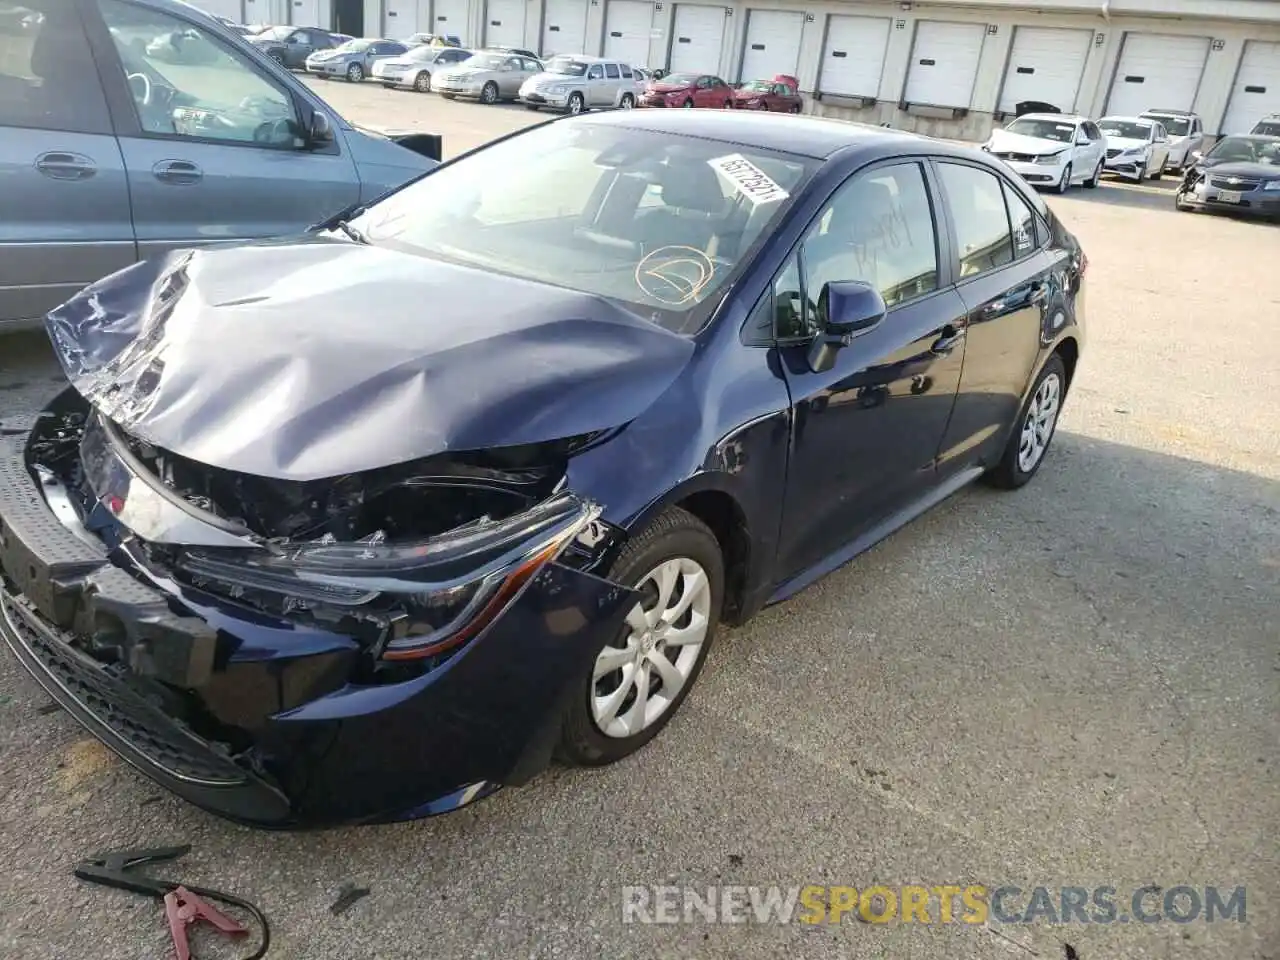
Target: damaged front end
319, 638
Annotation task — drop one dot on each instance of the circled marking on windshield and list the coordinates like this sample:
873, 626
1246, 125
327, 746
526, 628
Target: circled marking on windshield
674, 275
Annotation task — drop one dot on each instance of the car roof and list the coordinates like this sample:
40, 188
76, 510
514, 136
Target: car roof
1168, 113
1263, 137
583, 58
1124, 116
808, 136
1061, 117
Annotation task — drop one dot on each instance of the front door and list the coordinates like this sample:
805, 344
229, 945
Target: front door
216, 153
64, 202
867, 431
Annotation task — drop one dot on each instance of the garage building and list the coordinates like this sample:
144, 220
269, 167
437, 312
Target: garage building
1157, 70
1256, 92
504, 23
944, 63
1045, 64
564, 27
853, 55
772, 44
628, 26
696, 39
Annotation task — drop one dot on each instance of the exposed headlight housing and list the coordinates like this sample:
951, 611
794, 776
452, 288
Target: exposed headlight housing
1271, 185
1051, 159
557, 89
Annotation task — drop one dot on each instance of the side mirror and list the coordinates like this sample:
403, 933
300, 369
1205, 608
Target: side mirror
320, 131
849, 308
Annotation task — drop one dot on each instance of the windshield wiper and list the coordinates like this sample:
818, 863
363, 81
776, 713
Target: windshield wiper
352, 232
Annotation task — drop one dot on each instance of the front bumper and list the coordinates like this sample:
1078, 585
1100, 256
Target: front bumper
271, 723
458, 88
1258, 202
542, 98
1038, 174
1132, 167
328, 68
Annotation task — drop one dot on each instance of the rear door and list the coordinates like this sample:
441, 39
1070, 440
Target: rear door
64, 201
212, 153
612, 82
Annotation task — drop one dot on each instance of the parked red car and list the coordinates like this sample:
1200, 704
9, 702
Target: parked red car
688, 90
780, 95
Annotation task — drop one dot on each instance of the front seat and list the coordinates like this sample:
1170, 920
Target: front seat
693, 208
855, 241
59, 47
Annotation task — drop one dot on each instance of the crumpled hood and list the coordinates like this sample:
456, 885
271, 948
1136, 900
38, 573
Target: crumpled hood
660, 86
1123, 143
1002, 141
1243, 168
310, 358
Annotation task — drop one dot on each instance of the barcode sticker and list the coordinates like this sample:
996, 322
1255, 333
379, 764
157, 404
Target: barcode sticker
750, 180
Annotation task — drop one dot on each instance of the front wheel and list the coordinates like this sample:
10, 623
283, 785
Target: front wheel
422, 82
628, 101
688, 103
1092, 182
489, 93
637, 681
355, 73
1030, 439
1065, 183
728, 105
576, 103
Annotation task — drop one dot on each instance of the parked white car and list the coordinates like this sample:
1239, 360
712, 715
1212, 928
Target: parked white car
1051, 149
1137, 147
1186, 136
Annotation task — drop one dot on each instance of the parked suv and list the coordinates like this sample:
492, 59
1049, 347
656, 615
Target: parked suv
290, 46
576, 84
108, 156
1186, 136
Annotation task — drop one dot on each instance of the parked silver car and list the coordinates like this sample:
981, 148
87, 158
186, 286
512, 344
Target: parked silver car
575, 84
109, 155
354, 59
415, 68
488, 77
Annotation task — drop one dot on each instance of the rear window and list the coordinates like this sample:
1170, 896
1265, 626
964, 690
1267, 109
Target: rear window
47, 75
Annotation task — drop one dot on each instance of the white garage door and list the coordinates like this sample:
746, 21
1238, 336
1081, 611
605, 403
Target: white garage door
853, 56
696, 39
564, 29
1157, 72
1045, 64
504, 23
222, 8
257, 11
401, 19
773, 44
944, 63
305, 13
1257, 89
451, 18
627, 26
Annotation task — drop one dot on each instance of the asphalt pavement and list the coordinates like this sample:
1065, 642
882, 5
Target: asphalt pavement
1073, 685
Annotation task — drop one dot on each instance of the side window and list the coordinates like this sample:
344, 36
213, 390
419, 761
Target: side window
626, 70
224, 98
305, 38
1023, 221
532, 66
595, 72
789, 319
611, 71
982, 223
705, 82
512, 63
878, 227
47, 77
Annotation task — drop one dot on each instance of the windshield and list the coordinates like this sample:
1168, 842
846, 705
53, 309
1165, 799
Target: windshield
762, 85
1247, 150
1044, 129
422, 53
355, 46
1125, 129
566, 68
657, 222
1270, 128
485, 61
680, 79
1175, 126
276, 33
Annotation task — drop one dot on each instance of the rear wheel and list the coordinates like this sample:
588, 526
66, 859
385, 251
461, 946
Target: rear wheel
688, 103
1029, 441
638, 680
728, 105
422, 82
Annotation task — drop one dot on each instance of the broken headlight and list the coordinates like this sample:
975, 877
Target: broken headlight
423, 597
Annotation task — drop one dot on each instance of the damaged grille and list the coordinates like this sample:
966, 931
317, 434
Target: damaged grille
136, 723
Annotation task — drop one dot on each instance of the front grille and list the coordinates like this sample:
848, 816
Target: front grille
135, 721
1020, 157
1234, 183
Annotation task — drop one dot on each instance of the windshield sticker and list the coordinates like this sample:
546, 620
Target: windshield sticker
749, 179
674, 275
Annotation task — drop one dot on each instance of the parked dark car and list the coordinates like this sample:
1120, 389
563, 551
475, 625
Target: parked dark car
779, 95
291, 46
688, 90
1240, 175
300, 567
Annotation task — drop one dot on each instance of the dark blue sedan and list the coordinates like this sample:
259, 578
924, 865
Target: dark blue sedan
367, 524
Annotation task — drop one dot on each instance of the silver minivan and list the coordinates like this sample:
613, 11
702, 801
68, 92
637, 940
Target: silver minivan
574, 84
109, 155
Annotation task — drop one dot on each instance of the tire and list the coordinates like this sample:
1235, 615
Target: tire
675, 536
1092, 182
763, 106
795, 109
278, 58
532, 106
422, 82
389, 86
489, 93
449, 96
628, 102
1013, 470
576, 103
355, 73
1065, 183
728, 105
688, 103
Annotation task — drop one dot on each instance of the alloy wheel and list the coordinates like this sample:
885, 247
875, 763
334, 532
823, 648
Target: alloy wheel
489, 93
634, 684
628, 101
575, 103
422, 83
1037, 428
355, 73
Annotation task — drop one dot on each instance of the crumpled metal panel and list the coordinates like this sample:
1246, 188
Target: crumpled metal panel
306, 359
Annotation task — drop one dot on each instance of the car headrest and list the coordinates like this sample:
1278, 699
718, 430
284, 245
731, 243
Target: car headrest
58, 43
691, 186
868, 205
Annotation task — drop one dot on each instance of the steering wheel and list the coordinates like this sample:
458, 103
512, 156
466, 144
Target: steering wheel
146, 87
274, 132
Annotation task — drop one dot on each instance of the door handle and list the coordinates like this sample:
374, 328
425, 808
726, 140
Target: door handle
65, 166
1039, 291
950, 339
177, 172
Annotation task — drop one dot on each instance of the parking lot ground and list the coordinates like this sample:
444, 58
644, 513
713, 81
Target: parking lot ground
1074, 685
